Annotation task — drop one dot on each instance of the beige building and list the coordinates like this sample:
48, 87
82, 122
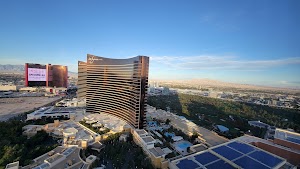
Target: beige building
143, 139
28, 89
9, 87
72, 133
31, 130
157, 156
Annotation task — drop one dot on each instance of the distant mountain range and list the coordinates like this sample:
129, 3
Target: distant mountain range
192, 83
20, 69
216, 84
12, 68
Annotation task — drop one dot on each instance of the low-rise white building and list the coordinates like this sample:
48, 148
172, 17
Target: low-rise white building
71, 103
157, 156
70, 132
258, 124
144, 139
52, 112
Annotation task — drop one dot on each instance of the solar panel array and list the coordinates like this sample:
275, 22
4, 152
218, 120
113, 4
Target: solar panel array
241, 154
287, 135
294, 140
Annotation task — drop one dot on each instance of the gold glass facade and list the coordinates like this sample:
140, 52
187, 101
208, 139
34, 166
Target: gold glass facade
81, 84
118, 87
58, 76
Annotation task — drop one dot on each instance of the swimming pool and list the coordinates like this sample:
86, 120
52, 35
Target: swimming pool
184, 145
181, 146
169, 134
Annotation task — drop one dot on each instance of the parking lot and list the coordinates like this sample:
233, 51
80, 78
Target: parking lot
10, 107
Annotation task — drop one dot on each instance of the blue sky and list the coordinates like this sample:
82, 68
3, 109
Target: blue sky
253, 42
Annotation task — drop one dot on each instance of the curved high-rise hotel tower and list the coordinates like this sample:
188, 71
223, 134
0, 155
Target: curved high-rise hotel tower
117, 87
81, 84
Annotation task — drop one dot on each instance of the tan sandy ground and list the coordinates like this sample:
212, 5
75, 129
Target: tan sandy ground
10, 107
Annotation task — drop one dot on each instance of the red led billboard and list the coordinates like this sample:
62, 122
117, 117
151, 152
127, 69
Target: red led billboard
46, 75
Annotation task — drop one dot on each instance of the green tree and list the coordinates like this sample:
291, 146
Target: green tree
168, 121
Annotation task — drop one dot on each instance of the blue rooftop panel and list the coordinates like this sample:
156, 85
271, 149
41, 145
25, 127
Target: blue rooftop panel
294, 140
187, 164
247, 163
205, 158
244, 148
227, 152
265, 158
219, 164
167, 134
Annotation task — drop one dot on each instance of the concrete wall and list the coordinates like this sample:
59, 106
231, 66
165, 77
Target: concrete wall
159, 162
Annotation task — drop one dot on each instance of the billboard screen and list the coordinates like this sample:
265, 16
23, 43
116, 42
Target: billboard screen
35, 74
46, 75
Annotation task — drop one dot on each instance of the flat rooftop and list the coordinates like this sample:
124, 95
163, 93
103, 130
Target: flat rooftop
61, 156
141, 132
54, 158
234, 154
287, 136
59, 109
166, 150
198, 147
111, 122
41, 159
42, 166
148, 139
157, 151
290, 154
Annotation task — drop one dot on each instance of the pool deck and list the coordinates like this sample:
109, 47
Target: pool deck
181, 146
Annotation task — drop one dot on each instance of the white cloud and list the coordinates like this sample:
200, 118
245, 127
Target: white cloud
283, 82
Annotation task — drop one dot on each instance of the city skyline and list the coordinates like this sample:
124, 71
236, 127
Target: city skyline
242, 42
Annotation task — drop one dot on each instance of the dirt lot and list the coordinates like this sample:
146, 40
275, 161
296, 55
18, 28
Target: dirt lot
10, 107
